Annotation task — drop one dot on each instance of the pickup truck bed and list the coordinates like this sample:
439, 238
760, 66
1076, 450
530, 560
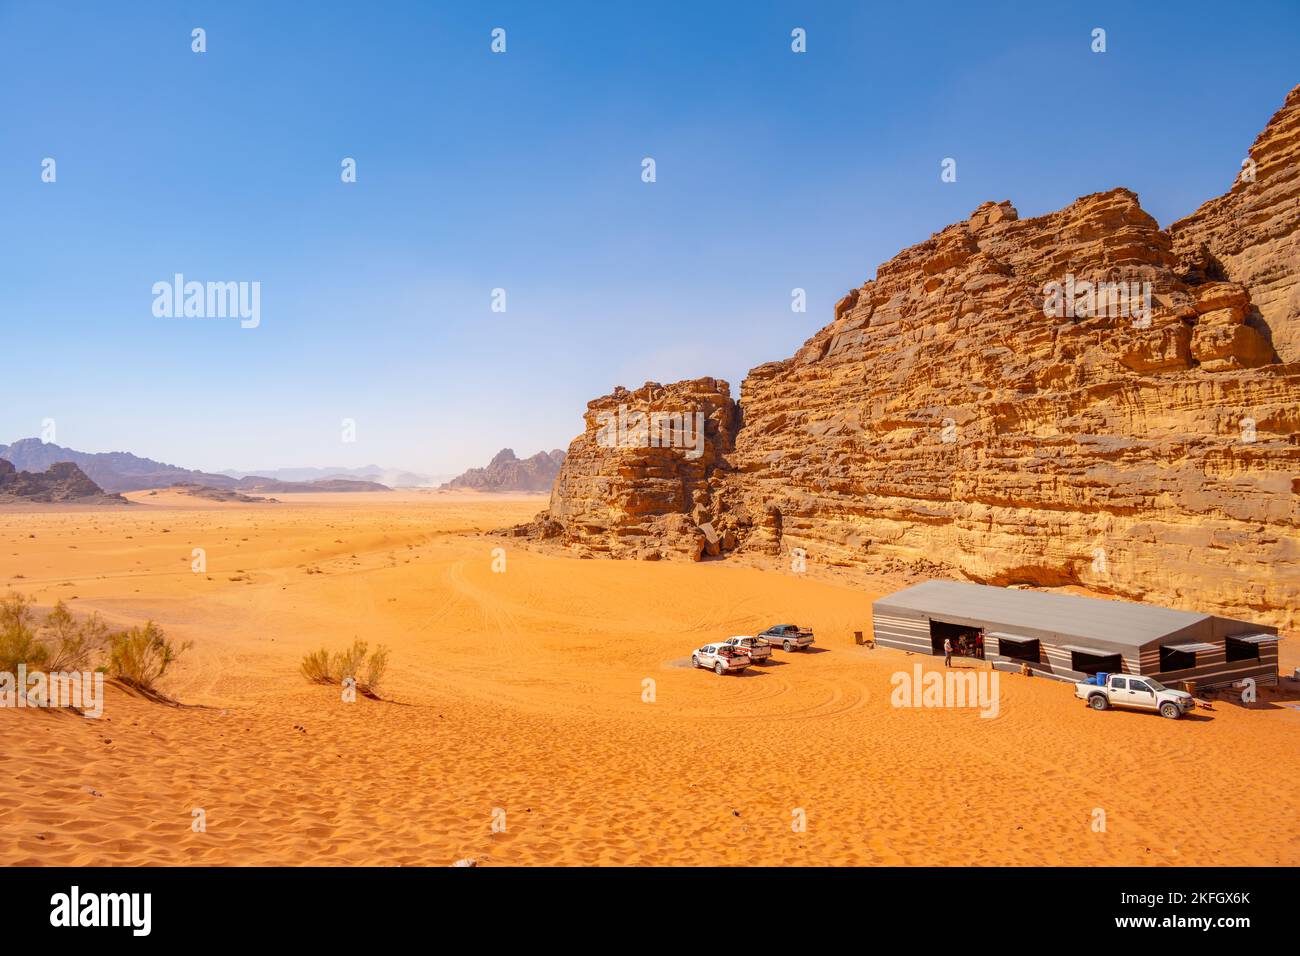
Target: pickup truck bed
789, 637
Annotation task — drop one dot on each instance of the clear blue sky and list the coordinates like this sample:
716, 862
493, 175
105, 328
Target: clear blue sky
523, 171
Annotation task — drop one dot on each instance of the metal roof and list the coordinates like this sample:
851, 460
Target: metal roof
1255, 638
1191, 648
1067, 615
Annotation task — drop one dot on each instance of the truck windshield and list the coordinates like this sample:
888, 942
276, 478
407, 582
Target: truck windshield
1155, 684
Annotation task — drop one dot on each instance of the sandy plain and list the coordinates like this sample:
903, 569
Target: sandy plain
514, 727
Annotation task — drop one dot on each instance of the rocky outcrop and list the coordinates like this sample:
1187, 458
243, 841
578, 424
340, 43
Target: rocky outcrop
62, 482
505, 472
944, 414
641, 480
227, 495
267, 485
1077, 398
1251, 234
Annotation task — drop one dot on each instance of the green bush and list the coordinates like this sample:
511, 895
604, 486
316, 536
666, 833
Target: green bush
19, 643
62, 643
72, 644
140, 656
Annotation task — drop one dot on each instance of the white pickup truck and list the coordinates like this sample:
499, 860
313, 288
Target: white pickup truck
791, 637
721, 658
1127, 690
759, 651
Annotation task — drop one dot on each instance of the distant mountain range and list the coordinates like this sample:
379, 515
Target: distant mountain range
392, 477
118, 471
505, 472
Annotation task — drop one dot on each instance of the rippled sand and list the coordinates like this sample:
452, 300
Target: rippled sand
516, 699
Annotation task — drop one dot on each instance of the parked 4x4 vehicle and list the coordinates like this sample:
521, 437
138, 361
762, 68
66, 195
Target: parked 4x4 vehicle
790, 637
1128, 690
722, 658
759, 651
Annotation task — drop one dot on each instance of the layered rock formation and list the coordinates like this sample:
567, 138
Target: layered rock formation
985, 406
1250, 234
229, 495
640, 480
62, 482
506, 472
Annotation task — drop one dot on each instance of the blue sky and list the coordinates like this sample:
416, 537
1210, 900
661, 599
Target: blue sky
522, 171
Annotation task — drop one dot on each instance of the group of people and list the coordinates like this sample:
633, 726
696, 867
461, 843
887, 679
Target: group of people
966, 647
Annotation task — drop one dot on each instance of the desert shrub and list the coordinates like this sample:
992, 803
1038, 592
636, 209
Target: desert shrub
71, 644
18, 639
140, 656
322, 667
348, 663
16, 611
375, 669
316, 667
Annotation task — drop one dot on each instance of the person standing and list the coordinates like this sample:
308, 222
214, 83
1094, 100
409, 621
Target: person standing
947, 652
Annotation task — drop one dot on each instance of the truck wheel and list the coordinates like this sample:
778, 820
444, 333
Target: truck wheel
719, 669
1170, 709
695, 661
1098, 702
787, 647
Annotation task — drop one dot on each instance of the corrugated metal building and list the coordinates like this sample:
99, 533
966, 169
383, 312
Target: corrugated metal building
1072, 637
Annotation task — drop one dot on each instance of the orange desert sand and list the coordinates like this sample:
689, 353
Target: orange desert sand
522, 692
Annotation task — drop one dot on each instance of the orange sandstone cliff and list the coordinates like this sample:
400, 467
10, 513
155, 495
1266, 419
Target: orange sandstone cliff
1144, 443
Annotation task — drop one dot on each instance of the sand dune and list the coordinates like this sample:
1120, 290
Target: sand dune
522, 692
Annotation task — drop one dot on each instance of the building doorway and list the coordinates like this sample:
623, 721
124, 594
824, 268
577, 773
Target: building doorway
966, 641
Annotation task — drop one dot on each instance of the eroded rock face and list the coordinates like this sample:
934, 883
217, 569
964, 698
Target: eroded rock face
980, 409
943, 416
640, 481
1250, 234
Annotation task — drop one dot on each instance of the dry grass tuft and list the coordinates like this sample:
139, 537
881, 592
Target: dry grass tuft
316, 667
322, 667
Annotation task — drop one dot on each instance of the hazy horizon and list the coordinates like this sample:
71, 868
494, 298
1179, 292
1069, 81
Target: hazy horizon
272, 471
522, 171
